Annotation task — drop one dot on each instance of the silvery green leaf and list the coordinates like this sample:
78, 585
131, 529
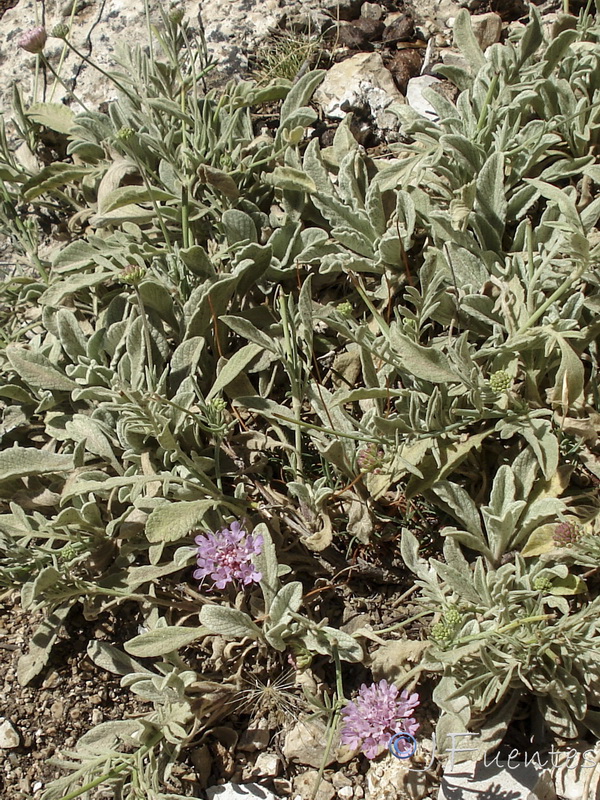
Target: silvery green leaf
161, 641
35, 369
465, 40
71, 336
324, 640
173, 521
245, 328
288, 599
292, 179
51, 177
17, 462
126, 195
425, 363
238, 227
229, 622
113, 660
83, 428
33, 662
301, 93
459, 582
266, 563
155, 295
56, 116
233, 367
107, 735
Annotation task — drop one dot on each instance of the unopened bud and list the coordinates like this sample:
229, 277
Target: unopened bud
34, 40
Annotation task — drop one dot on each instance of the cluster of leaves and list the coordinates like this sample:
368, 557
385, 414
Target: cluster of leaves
236, 308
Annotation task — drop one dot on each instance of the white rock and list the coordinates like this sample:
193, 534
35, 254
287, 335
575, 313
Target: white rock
414, 95
359, 82
391, 778
235, 791
573, 772
469, 781
305, 786
304, 744
267, 764
487, 29
9, 735
454, 58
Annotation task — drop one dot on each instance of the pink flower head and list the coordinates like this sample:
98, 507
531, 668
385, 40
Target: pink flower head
226, 556
375, 716
34, 40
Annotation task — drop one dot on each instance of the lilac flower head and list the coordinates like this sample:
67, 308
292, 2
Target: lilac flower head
34, 40
375, 716
566, 534
226, 556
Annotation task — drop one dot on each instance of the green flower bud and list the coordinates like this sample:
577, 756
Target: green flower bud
542, 584
218, 404
345, 309
453, 616
124, 134
442, 632
132, 274
60, 31
500, 381
176, 15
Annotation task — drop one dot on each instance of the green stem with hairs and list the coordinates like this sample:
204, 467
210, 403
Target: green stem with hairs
114, 771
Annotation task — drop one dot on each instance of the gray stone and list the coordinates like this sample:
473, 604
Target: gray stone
236, 791
361, 82
414, 95
470, 781
9, 735
371, 11
487, 29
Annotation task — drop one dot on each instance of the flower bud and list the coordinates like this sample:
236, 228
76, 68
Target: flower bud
125, 133
370, 458
566, 534
60, 31
345, 309
500, 381
132, 274
34, 40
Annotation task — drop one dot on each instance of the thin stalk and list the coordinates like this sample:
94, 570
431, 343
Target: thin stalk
566, 284
159, 216
114, 771
102, 71
57, 77
332, 724
292, 357
64, 50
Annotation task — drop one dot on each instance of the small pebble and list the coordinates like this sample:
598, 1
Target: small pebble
9, 735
